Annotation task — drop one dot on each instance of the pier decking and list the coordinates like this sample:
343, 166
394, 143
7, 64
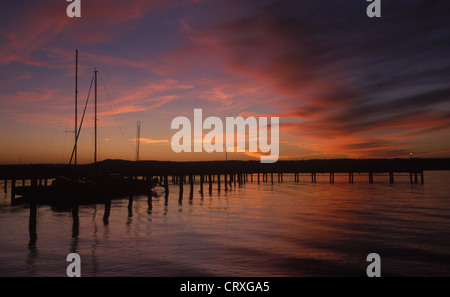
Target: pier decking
226, 174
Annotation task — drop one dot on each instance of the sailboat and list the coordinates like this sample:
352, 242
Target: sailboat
98, 187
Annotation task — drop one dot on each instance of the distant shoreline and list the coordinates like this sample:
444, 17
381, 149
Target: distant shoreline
160, 168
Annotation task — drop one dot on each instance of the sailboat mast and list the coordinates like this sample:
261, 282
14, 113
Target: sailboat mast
95, 118
76, 105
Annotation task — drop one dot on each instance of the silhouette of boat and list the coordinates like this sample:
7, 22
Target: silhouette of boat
97, 188
64, 190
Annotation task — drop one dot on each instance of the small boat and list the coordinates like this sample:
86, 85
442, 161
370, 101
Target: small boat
65, 191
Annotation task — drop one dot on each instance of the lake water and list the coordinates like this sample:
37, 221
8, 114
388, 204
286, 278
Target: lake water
284, 229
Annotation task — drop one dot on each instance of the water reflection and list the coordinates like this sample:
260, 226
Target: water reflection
75, 228
275, 230
107, 212
130, 208
32, 250
150, 204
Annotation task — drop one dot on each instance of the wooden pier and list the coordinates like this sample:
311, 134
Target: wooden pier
228, 174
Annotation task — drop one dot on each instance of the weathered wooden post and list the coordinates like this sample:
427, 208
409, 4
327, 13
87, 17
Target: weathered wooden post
32, 224
218, 182
13, 189
166, 184
76, 221
191, 182
181, 187
210, 184
225, 182
391, 177
201, 183
108, 210
130, 206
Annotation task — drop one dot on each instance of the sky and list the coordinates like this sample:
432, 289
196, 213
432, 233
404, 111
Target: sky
343, 85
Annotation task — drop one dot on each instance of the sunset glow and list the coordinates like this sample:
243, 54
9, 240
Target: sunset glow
342, 84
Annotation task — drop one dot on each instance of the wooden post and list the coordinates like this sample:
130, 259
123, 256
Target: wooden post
370, 177
108, 211
180, 180
258, 179
76, 221
201, 183
13, 189
281, 176
32, 224
411, 177
225, 176
191, 182
251, 177
421, 177
191, 192
150, 203
180, 198
6, 186
391, 177
166, 184
415, 177
231, 181
130, 206
210, 183
218, 182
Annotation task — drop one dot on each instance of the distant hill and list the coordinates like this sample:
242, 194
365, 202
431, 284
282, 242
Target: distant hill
156, 168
